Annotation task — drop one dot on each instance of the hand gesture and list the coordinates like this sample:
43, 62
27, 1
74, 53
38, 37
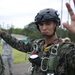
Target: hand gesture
70, 27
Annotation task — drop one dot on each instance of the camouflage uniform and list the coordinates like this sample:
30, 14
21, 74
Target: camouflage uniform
66, 55
2, 67
7, 56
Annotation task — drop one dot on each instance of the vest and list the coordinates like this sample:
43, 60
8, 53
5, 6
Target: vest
53, 59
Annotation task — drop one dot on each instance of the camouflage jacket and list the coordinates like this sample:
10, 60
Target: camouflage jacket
2, 67
66, 55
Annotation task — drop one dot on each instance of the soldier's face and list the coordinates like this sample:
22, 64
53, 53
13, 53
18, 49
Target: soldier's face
47, 28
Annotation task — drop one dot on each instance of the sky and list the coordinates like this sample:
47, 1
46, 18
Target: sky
19, 13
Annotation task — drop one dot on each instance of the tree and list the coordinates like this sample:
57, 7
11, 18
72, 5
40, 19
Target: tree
31, 31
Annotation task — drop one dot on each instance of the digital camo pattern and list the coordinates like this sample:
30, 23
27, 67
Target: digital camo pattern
2, 67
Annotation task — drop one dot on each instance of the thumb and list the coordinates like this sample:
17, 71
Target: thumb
66, 25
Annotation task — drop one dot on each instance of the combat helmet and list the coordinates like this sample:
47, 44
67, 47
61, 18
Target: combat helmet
47, 14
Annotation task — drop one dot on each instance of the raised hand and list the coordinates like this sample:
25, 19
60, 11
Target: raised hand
70, 27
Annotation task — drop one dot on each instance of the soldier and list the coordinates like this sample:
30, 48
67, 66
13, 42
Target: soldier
48, 56
7, 56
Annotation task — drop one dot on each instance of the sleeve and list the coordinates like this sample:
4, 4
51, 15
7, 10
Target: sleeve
15, 43
3, 42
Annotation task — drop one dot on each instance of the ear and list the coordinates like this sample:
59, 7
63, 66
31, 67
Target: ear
57, 25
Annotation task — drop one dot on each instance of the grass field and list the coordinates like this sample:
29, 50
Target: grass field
19, 57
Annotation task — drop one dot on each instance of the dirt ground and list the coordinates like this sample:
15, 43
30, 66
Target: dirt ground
20, 69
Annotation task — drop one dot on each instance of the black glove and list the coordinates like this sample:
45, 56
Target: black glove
35, 59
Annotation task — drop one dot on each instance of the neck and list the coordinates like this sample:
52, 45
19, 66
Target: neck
49, 40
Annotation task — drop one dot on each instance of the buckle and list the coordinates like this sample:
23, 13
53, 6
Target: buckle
50, 73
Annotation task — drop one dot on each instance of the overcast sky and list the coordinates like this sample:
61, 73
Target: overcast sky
21, 12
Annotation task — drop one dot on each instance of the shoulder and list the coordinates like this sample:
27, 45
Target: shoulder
38, 41
66, 47
63, 44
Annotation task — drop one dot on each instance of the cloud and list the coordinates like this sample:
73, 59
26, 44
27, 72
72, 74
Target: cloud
22, 12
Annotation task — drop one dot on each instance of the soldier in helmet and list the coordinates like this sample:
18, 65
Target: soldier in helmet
48, 55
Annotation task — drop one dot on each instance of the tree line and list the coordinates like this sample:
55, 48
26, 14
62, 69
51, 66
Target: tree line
32, 32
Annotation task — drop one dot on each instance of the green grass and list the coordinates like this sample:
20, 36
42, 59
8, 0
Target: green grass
19, 57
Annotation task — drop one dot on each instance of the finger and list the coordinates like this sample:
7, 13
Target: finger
67, 26
74, 2
69, 9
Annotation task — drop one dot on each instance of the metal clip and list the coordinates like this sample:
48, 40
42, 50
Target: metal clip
44, 66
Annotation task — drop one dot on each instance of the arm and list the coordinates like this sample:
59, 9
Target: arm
66, 52
71, 58
15, 43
